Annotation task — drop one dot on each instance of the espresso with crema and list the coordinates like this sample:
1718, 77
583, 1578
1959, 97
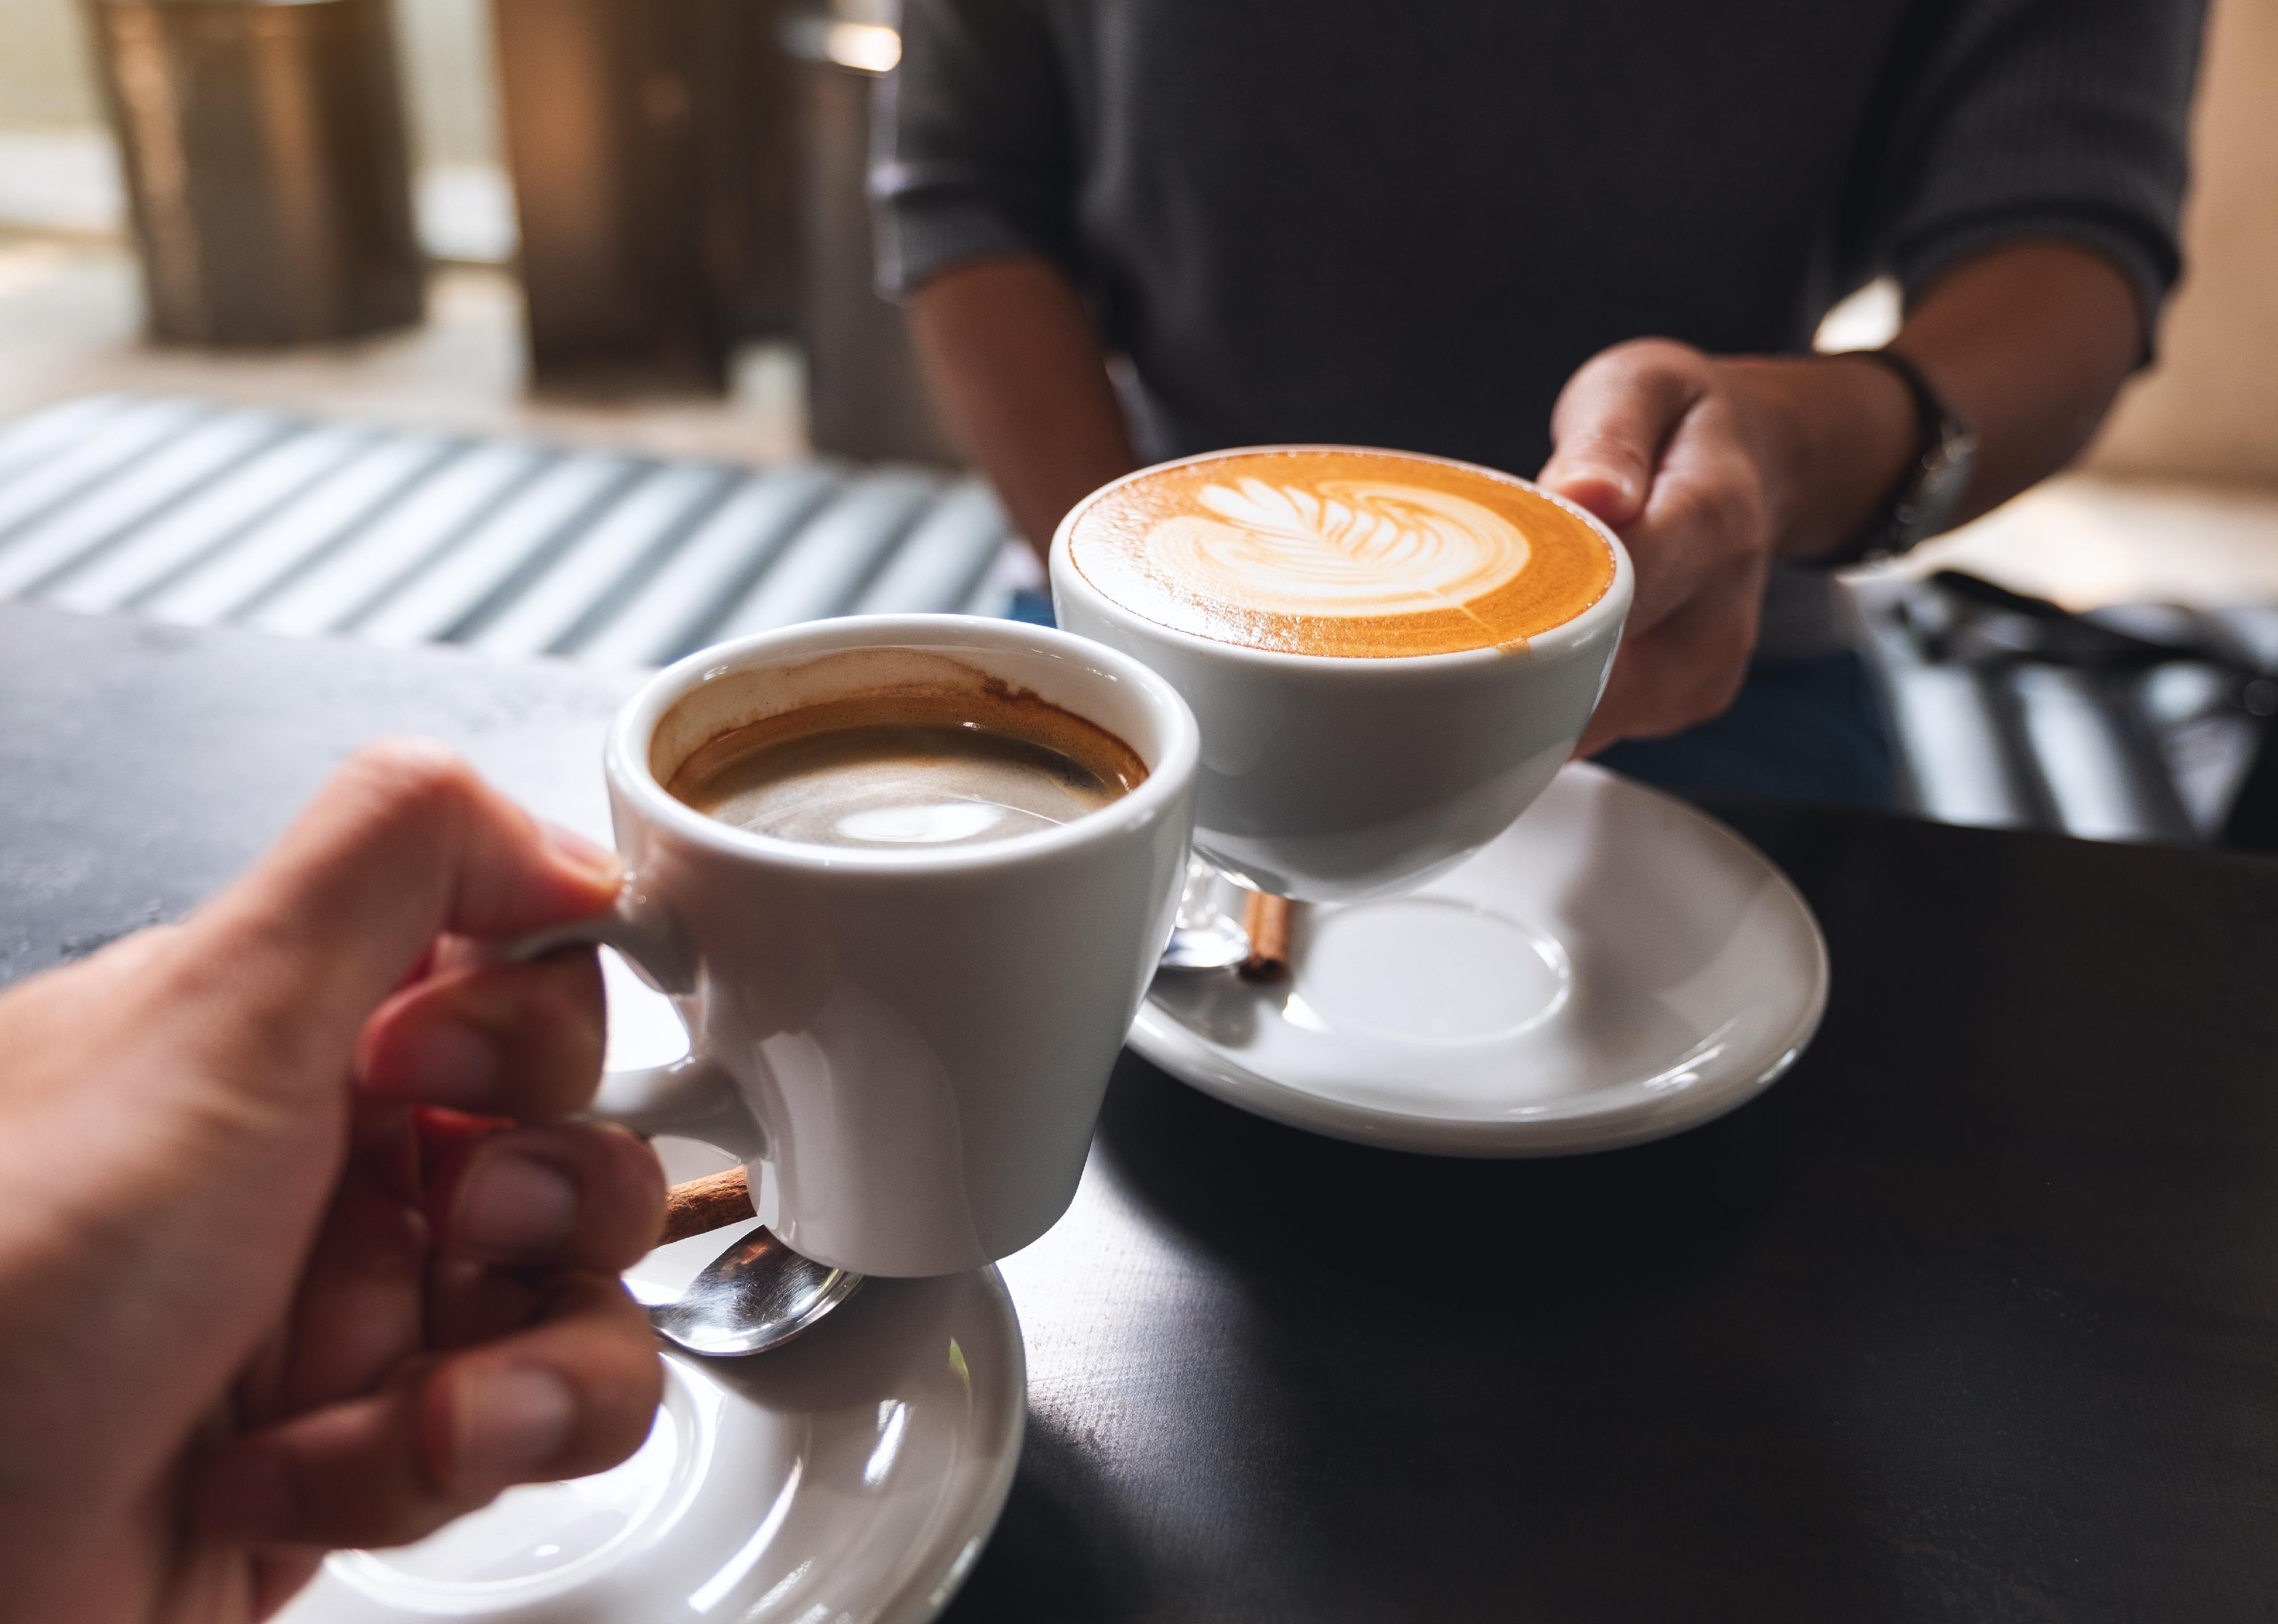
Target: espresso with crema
909, 769
1337, 550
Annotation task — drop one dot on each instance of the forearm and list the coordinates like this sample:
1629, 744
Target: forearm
1015, 360
2029, 344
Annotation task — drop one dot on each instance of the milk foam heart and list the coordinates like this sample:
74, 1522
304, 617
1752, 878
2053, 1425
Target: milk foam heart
1339, 551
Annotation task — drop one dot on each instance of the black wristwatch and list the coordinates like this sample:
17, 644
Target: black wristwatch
1931, 488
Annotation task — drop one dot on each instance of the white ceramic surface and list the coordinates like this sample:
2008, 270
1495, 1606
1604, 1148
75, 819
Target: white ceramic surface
906, 1046
1615, 968
851, 1476
1337, 779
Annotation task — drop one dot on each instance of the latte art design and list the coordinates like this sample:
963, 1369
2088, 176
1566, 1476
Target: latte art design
1339, 550
1350, 548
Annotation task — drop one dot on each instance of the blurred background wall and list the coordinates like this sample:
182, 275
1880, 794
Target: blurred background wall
2209, 409
43, 79
2208, 414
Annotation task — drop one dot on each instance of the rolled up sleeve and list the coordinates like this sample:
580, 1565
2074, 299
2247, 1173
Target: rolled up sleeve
2045, 119
971, 156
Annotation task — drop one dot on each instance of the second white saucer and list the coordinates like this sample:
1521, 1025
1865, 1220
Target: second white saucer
853, 1474
1616, 967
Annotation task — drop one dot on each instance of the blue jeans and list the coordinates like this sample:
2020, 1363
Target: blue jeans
1800, 731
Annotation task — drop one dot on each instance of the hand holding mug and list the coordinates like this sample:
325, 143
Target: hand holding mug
1712, 469
255, 1301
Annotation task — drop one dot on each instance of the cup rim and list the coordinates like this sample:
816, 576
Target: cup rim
625, 755
1612, 604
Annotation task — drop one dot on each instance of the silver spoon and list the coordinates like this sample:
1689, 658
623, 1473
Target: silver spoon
756, 1295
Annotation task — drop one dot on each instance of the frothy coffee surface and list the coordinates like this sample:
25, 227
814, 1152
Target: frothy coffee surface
909, 769
1341, 552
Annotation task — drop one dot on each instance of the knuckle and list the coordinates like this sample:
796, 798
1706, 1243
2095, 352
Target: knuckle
147, 951
1726, 510
408, 778
160, 968
1599, 442
1656, 355
1726, 504
1616, 359
1678, 357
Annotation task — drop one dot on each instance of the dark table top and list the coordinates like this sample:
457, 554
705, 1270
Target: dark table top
1974, 1316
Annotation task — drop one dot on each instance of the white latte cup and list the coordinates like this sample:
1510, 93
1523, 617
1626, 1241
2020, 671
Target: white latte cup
1333, 779
907, 1047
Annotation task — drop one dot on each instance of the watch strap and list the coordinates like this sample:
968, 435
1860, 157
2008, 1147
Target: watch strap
1927, 493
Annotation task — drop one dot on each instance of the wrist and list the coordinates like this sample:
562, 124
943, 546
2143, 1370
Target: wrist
1834, 437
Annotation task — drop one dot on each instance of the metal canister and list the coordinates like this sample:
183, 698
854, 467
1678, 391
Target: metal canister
603, 133
866, 395
651, 142
750, 166
265, 160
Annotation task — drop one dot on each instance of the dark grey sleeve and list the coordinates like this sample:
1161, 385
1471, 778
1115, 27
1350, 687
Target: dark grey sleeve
2065, 118
971, 155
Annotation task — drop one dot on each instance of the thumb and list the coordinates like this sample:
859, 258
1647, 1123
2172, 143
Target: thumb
1612, 420
404, 843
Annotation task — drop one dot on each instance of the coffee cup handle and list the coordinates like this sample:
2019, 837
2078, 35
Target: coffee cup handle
694, 1097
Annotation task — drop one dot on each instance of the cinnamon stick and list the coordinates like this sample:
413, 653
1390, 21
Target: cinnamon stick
1266, 919
706, 1203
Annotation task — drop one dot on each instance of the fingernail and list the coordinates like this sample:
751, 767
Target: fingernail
1624, 488
588, 855
1590, 487
244, 1494
513, 1203
512, 1422
454, 1064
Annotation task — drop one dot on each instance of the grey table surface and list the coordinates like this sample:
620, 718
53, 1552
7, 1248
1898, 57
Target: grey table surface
144, 765
1974, 1316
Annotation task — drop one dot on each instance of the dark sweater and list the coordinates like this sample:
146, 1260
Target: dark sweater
1407, 225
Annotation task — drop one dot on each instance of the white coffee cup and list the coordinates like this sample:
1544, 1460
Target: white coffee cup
906, 1046
1330, 778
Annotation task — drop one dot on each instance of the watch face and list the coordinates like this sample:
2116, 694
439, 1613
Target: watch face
1941, 486
1933, 491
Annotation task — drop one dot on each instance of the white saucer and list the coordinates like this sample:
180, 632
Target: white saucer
851, 1476
1614, 968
